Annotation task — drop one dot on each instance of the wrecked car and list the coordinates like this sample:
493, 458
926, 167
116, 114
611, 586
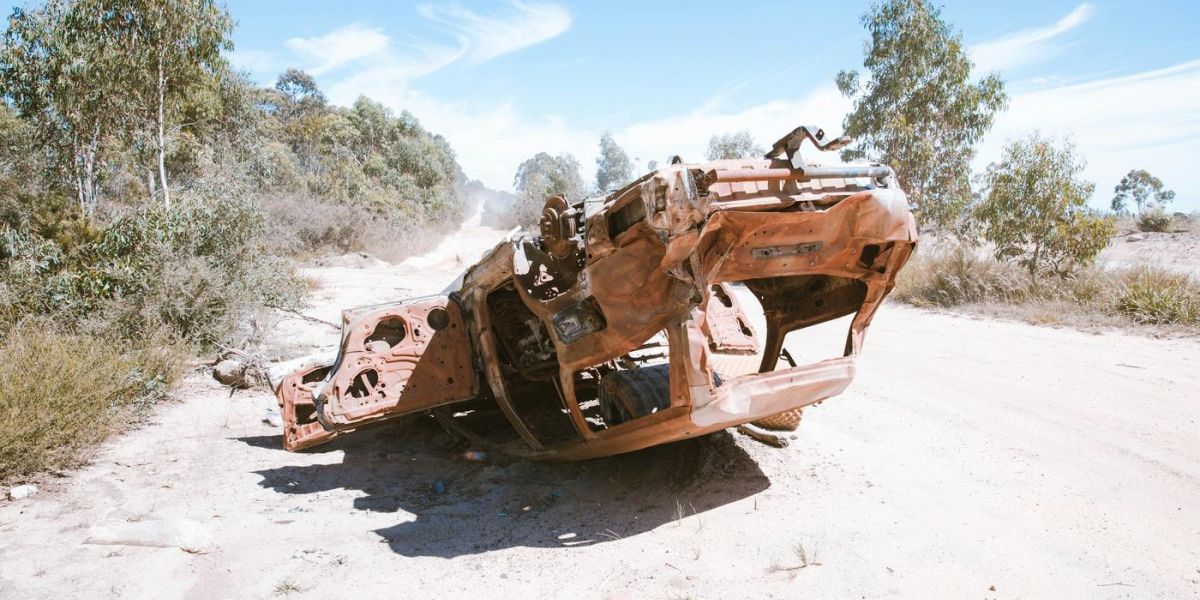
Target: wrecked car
626, 321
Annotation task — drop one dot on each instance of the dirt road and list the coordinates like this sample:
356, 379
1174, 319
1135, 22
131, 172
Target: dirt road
971, 459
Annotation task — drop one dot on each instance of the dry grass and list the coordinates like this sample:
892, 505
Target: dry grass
804, 559
960, 276
1156, 296
287, 587
956, 275
62, 394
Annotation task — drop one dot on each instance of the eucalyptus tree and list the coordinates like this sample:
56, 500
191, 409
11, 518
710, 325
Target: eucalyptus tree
56, 71
540, 177
919, 109
170, 48
1035, 207
1142, 189
613, 167
739, 144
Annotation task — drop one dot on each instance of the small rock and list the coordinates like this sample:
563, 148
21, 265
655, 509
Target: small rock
272, 418
22, 491
232, 373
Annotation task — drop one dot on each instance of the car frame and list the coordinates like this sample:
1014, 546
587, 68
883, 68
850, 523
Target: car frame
623, 322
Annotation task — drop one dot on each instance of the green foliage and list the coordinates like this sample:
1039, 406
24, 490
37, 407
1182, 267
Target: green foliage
365, 156
540, 177
1154, 220
20, 162
1035, 210
739, 144
919, 111
197, 271
64, 393
613, 167
1143, 190
300, 93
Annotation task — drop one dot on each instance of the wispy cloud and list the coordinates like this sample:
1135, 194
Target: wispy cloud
474, 37
1025, 47
482, 37
1148, 120
357, 60
338, 47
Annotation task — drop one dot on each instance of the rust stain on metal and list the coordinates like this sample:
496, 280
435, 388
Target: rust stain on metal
626, 323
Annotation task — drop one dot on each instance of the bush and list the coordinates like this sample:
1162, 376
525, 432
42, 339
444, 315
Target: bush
200, 269
1154, 220
197, 270
1153, 295
62, 394
1035, 210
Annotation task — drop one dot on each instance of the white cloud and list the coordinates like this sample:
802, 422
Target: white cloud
484, 37
687, 134
1148, 120
490, 142
1025, 47
257, 62
338, 47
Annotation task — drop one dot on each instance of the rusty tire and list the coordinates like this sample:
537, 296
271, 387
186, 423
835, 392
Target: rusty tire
787, 420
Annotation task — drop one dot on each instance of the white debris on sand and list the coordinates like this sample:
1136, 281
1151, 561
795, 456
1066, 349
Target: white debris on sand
272, 418
22, 491
184, 534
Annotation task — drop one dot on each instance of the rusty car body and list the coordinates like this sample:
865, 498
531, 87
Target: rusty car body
625, 323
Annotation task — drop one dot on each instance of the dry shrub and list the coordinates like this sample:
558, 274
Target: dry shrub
61, 394
958, 274
1154, 220
1157, 296
305, 226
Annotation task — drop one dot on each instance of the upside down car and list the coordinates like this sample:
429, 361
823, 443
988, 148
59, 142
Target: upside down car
625, 321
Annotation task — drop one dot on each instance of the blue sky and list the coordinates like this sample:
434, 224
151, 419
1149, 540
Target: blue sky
503, 80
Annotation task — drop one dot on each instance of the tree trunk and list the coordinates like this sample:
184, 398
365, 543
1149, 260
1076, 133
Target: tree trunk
162, 146
89, 193
77, 154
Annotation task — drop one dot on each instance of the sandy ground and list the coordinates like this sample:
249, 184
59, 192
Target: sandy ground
1176, 251
971, 459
